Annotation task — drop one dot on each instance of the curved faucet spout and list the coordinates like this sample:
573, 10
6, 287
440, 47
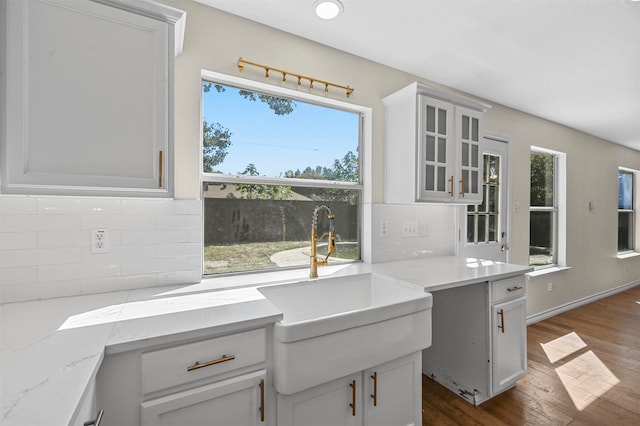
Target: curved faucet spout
331, 247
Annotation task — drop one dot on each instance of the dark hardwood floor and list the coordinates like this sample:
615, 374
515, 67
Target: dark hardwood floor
587, 374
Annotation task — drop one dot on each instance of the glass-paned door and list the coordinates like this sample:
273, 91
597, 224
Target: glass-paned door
483, 228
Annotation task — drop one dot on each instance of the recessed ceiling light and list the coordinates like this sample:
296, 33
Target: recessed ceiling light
327, 9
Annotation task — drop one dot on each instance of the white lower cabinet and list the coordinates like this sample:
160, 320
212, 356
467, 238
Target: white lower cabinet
509, 344
223, 380
238, 401
386, 395
479, 340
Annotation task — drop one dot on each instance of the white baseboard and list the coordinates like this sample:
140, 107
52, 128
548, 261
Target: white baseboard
576, 303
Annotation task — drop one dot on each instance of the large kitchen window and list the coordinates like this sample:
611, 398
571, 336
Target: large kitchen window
546, 211
267, 161
626, 211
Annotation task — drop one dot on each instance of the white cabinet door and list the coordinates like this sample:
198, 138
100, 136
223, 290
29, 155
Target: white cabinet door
89, 100
393, 393
337, 403
469, 166
436, 151
238, 401
509, 344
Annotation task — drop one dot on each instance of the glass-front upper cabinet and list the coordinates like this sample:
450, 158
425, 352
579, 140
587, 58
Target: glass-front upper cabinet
470, 166
432, 146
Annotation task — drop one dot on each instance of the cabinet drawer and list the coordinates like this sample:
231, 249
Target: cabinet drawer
174, 366
509, 288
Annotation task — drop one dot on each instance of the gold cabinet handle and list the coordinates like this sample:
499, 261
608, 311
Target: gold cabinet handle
516, 288
160, 168
451, 186
222, 359
353, 397
462, 186
375, 388
501, 313
262, 400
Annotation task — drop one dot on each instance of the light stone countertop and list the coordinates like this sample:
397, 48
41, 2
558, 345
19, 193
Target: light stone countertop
52, 349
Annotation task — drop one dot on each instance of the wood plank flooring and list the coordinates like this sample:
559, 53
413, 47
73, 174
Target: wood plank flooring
596, 383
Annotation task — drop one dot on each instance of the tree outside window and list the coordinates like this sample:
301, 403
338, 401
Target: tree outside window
543, 212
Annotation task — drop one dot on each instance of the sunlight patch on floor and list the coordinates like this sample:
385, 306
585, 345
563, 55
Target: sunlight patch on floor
585, 377
562, 347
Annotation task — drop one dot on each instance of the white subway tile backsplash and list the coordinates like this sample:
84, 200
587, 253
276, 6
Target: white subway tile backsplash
155, 236
45, 245
54, 239
13, 276
18, 240
178, 221
58, 205
17, 205
11, 258
100, 206
179, 249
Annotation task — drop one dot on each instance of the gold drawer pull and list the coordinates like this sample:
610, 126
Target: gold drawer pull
160, 168
501, 313
224, 358
353, 397
261, 400
375, 388
516, 288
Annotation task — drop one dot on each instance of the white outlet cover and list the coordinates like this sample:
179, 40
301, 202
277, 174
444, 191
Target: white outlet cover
99, 241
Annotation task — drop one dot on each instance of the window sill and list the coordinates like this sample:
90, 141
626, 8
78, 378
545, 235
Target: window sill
628, 255
539, 273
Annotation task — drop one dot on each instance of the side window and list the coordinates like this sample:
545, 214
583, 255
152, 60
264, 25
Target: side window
546, 215
267, 162
626, 211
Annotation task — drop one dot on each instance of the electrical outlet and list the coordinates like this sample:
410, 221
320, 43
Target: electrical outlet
99, 241
384, 229
409, 229
550, 287
424, 229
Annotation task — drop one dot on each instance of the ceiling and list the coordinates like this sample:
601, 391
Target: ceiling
574, 62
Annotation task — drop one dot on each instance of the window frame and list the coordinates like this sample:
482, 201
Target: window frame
633, 212
558, 209
364, 185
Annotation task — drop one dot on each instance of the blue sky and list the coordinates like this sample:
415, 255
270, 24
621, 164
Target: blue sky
310, 136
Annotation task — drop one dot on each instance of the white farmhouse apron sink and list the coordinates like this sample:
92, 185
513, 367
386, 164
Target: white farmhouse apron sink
337, 326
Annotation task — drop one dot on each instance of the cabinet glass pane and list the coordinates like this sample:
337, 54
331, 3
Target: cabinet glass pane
474, 155
431, 148
442, 150
465, 154
475, 124
429, 183
442, 121
474, 182
442, 171
465, 182
431, 119
465, 127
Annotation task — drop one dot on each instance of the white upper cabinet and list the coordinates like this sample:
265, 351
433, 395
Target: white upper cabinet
89, 97
432, 146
